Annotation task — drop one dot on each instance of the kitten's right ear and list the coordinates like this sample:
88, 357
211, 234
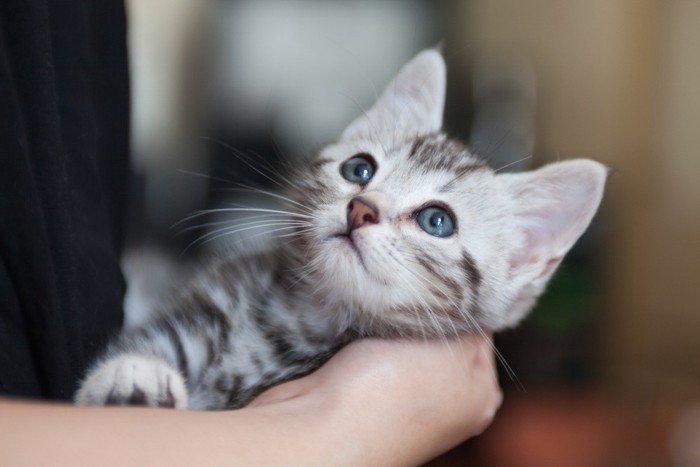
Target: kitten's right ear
552, 207
412, 105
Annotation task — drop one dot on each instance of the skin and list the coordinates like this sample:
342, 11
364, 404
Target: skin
376, 402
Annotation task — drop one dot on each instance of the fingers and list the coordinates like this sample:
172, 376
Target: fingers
485, 380
470, 394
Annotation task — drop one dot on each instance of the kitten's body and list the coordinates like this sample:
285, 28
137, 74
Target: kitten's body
225, 333
395, 231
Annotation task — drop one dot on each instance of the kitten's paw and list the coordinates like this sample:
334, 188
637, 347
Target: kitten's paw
133, 380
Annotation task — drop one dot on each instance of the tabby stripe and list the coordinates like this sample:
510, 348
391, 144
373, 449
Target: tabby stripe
169, 329
474, 279
471, 272
217, 319
257, 363
212, 352
282, 349
417, 145
454, 287
260, 314
212, 312
221, 384
234, 395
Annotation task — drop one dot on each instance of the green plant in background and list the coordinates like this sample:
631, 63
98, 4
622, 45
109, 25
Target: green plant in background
568, 304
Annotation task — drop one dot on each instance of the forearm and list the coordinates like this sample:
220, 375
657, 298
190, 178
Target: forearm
48, 434
304, 431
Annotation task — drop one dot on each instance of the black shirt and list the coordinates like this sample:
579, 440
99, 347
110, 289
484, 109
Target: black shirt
63, 165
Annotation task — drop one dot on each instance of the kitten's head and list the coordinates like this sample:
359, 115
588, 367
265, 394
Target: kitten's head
413, 234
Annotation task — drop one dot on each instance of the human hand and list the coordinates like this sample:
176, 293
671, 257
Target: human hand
399, 402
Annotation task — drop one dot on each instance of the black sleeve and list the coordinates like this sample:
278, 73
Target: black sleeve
63, 165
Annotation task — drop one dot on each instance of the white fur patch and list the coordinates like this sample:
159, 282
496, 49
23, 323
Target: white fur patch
121, 379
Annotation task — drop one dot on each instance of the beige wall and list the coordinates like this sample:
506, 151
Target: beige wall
619, 81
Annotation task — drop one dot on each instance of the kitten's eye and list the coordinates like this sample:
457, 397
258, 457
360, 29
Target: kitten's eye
358, 169
435, 221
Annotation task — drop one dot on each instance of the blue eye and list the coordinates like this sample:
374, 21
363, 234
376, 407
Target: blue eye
358, 169
435, 221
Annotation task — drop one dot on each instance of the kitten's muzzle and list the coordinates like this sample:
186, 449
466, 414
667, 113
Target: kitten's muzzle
361, 212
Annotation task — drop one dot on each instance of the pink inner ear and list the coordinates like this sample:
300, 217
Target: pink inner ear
528, 254
551, 207
549, 232
552, 263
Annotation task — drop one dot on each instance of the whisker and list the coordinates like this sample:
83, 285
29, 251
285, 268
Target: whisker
242, 157
238, 208
266, 212
529, 156
237, 222
474, 325
233, 229
250, 189
299, 232
209, 237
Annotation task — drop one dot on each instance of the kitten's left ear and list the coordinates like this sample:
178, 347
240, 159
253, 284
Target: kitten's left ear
552, 208
412, 104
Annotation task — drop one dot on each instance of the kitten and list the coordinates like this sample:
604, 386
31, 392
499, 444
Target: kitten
398, 231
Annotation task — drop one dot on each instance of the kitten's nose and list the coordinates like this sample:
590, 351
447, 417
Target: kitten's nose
361, 212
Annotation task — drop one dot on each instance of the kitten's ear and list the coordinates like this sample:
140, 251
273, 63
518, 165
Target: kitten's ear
553, 207
412, 104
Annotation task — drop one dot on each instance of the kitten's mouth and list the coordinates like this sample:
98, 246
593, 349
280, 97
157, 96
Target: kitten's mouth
346, 237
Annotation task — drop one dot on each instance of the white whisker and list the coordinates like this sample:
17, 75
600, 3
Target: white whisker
473, 324
211, 236
249, 189
529, 156
237, 223
239, 154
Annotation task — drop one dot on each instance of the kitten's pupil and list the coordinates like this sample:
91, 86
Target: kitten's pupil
435, 221
362, 171
358, 169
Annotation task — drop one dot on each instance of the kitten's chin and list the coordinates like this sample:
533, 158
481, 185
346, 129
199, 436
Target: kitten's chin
344, 277
345, 281
349, 261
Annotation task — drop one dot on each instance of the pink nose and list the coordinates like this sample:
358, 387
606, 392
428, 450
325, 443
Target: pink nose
361, 212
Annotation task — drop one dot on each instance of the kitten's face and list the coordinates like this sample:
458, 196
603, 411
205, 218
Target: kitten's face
415, 235
400, 230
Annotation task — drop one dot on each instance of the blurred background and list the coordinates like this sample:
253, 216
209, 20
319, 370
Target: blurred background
608, 366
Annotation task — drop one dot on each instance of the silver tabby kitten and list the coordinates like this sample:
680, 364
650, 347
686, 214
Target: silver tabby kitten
401, 232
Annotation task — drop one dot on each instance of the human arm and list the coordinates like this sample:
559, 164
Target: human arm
375, 403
